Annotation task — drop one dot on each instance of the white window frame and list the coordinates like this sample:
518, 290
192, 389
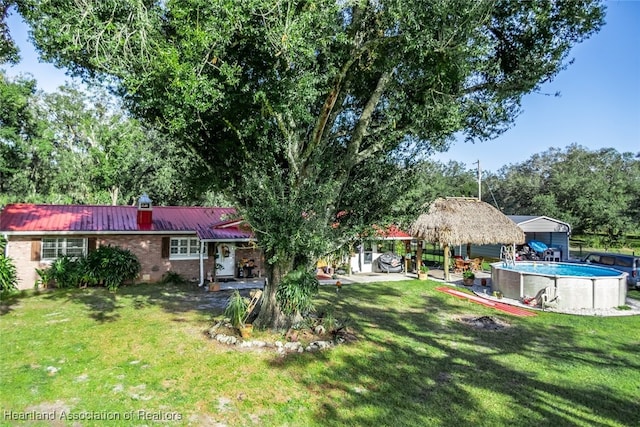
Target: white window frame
186, 247
61, 247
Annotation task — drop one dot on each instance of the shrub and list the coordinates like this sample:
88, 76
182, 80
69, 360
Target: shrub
8, 272
468, 274
108, 265
111, 266
8, 275
44, 278
67, 272
236, 309
329, 322
173, 278
296, 291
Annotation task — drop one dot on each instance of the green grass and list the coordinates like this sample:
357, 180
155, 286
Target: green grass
415, 364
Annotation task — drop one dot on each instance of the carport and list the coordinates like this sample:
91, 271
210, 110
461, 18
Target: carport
552, 232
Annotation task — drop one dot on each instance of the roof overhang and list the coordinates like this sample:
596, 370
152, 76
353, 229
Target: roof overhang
543, 217
244, 240
122, 233
95, 233
393, 238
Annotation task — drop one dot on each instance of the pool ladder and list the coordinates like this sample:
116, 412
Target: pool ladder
506, 255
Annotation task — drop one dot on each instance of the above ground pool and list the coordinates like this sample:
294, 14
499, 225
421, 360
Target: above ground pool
567, 286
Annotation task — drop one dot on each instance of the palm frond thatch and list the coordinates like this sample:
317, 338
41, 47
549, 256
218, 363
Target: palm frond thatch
462, 220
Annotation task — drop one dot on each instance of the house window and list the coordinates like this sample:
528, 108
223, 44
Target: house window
185, 248
53, 248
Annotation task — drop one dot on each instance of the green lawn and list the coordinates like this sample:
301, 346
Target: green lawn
84, 353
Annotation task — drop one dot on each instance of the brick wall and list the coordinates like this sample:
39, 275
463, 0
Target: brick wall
19, 250
147, 248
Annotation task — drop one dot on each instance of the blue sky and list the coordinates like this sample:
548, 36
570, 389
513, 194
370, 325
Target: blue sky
599, 104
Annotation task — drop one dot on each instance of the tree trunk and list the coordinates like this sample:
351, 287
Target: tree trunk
113, 193
270, 316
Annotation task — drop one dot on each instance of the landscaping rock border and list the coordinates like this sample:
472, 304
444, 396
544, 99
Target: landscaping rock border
278, 346
220, 332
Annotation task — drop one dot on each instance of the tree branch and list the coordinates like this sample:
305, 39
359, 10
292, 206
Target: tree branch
360, 47
354, 155
330, 101
287, 130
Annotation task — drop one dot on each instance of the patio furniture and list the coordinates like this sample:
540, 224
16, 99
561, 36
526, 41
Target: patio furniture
549, 297
476, 264
459, 266
552, 254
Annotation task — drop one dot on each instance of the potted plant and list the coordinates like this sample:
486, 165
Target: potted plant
236, 311
468, 277
424, 271
214, 285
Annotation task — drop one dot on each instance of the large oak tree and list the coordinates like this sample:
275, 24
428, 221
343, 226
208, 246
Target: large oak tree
301, 109
597, 192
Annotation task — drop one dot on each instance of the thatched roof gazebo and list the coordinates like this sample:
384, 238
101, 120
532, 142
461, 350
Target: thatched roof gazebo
455, 221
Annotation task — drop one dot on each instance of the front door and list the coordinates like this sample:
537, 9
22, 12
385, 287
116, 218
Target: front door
226, 257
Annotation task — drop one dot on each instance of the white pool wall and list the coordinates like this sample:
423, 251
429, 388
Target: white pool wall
575, 292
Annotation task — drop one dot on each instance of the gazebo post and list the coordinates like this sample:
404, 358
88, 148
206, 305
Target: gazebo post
445, 246
419, 256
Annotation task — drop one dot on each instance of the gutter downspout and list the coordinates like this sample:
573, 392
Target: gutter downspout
201, 264
215, 262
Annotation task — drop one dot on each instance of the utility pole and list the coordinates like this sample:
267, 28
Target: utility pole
479, 180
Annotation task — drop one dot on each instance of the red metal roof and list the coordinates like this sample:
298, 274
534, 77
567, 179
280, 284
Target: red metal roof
392, 232
36, 219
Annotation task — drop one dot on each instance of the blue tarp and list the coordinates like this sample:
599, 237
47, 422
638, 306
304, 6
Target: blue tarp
537, 246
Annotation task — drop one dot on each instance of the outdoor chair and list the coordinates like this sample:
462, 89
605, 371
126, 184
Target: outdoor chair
459, 266
549, 297
476, 264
